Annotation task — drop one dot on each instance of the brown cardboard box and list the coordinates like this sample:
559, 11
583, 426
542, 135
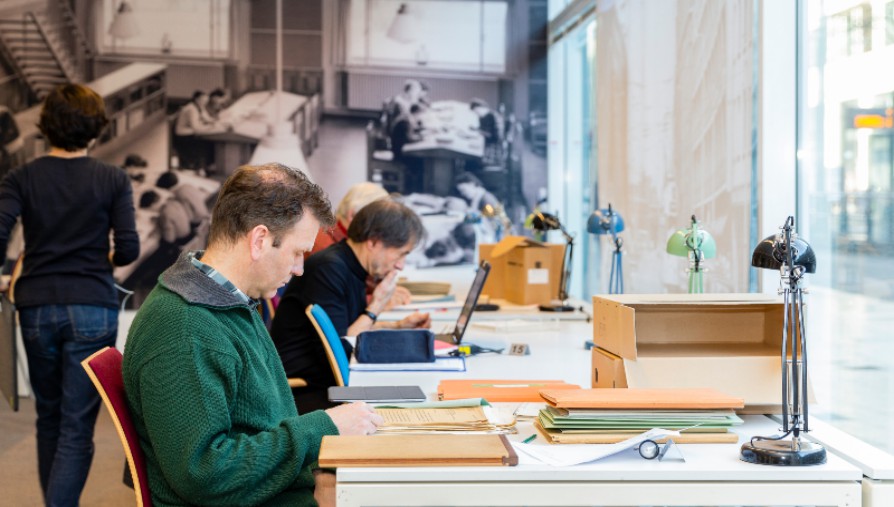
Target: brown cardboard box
730, 342
524, 271
608, 369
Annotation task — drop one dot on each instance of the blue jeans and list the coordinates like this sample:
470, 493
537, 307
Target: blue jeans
57, 338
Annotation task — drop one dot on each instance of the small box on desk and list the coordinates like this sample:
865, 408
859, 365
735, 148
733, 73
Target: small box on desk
731, 342
523, 271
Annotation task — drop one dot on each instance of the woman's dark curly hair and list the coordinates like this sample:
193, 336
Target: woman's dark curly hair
72, 116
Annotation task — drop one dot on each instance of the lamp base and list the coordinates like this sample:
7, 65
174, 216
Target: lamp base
558, 307
783, 453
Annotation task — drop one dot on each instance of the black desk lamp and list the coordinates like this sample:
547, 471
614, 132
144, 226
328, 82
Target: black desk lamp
793, 257
543, 222
609, 222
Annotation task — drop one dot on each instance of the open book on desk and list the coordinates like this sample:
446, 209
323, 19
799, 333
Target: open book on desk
477, 419
439, 364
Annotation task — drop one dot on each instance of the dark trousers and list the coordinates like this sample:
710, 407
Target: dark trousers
57, 338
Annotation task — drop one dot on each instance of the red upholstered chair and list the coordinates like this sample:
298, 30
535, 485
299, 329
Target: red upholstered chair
104, 369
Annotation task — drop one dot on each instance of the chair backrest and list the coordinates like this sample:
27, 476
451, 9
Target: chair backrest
104, 369
335, 351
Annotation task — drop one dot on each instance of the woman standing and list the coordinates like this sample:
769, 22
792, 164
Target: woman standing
68, 306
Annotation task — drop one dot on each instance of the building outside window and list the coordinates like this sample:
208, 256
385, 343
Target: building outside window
846, 196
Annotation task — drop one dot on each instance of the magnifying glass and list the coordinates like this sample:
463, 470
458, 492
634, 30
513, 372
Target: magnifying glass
649, 449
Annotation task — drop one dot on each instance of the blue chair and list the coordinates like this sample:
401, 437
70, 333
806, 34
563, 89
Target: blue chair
335, 351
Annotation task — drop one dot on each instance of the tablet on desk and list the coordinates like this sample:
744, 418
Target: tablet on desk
376, 394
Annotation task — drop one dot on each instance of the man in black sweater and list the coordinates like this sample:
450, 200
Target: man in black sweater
380, 237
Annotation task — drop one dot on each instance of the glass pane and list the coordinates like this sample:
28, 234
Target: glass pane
394, 33
198, 28
847, 214
889, 22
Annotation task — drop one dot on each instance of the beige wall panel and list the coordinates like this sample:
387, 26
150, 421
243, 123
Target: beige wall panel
674, 133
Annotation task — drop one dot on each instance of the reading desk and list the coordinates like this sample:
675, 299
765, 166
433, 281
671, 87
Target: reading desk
855, 474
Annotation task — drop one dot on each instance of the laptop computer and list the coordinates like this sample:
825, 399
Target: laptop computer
454, 336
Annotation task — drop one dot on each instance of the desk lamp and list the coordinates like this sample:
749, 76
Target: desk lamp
497, 215
697, 244
609, 222
543, 222
793, 257
124, 24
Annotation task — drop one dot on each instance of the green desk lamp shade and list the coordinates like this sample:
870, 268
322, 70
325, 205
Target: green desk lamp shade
697, 244
694, 238
792, 257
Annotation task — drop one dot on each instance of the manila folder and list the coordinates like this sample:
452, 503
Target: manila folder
416, 450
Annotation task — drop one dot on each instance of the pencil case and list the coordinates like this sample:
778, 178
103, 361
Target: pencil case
395, 346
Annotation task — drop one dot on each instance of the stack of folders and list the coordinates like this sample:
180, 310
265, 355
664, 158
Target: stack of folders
606, 416
462, 416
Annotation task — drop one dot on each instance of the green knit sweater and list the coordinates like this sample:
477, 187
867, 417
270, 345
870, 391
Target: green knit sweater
211, 403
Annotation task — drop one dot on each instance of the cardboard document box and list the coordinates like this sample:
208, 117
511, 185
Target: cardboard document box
523, 271
731, 342
416, 450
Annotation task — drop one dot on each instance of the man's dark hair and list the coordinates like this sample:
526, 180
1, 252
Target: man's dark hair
387, 221
464, 234
148, 198
196, 94
167, 180
72, 116
217, 92
476, 103
134, 160
272, 195
467, 177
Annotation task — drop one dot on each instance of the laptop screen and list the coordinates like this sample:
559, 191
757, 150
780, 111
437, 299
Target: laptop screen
471, 300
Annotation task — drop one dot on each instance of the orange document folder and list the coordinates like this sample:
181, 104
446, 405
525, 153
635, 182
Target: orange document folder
499, 390
416, 450
646, 399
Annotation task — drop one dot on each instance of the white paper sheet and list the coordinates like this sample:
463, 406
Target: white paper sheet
575, 454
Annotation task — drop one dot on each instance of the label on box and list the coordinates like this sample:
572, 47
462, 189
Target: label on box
538, 276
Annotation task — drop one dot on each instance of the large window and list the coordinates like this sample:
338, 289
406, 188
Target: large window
437, 34
846, 199
572, 162
187, 28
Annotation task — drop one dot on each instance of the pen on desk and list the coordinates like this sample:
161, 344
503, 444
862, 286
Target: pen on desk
529, 439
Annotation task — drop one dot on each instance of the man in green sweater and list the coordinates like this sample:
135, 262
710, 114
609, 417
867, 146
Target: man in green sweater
210, 400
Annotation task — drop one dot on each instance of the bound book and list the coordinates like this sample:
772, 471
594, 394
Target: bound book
416, 450
499, 390
646, 399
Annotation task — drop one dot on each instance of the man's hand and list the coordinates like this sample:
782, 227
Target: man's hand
415, 320
400, 297
382, 293
355, 419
